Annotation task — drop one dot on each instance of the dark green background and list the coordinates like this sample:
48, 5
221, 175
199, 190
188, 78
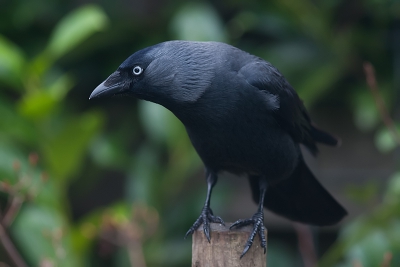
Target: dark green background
118, 177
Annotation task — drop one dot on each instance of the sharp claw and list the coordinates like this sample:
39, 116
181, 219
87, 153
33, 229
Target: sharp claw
194, 227
245, 251
206, 228
205, 218
208, 238
189, 232
235, 224
258, 228
216, 219
219, 220
240, 223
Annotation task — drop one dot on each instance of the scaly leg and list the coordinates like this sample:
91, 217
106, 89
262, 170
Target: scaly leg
257, 220
206, 215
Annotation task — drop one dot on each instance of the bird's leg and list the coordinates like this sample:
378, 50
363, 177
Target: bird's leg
257, 220
206, 215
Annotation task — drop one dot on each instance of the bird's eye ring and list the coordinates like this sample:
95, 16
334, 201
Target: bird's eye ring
137, 70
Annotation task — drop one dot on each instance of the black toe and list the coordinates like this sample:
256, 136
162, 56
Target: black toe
206, 217
258, 227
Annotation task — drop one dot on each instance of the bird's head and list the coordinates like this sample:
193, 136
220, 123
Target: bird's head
171, 72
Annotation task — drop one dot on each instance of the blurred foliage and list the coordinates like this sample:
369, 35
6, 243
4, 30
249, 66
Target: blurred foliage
38, 121
369, 239
107, 183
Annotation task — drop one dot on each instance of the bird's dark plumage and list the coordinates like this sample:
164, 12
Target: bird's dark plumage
242, 116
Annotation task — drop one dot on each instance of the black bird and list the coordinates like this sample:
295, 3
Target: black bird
242, 116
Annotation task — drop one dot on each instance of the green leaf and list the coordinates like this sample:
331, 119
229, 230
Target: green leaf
366, 116
36, 105
319, 81
140, 186
158, 122
64, 152
40, 103
60, 87
363, 193
198, 22
385, 141
9, 155
75, 28
15, 127
12, 62
86, 231
41, 234
392, 194
107, 151
369, 251
29, 178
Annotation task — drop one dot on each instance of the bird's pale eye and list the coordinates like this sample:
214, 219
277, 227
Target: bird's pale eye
137, 70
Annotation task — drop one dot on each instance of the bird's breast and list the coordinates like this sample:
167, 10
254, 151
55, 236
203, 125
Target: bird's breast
246, 145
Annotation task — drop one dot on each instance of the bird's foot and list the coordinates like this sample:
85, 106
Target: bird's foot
205, 218
258, 227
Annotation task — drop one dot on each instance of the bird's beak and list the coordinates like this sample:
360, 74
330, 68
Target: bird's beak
112, 85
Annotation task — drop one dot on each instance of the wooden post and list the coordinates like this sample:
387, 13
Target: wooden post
226, 247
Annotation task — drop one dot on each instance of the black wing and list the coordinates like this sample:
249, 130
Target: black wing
291, 114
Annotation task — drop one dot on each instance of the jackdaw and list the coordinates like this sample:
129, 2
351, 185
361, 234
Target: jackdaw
242, 116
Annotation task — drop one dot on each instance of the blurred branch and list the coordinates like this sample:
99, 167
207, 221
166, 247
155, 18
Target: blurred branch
5, 221
10, 248
387, 259
383, 111
12, 210
56, 237
132, 232
15, 201
126, 236
306, 244
136, 255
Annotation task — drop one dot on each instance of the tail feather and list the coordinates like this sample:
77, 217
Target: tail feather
323, 137
301, 198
